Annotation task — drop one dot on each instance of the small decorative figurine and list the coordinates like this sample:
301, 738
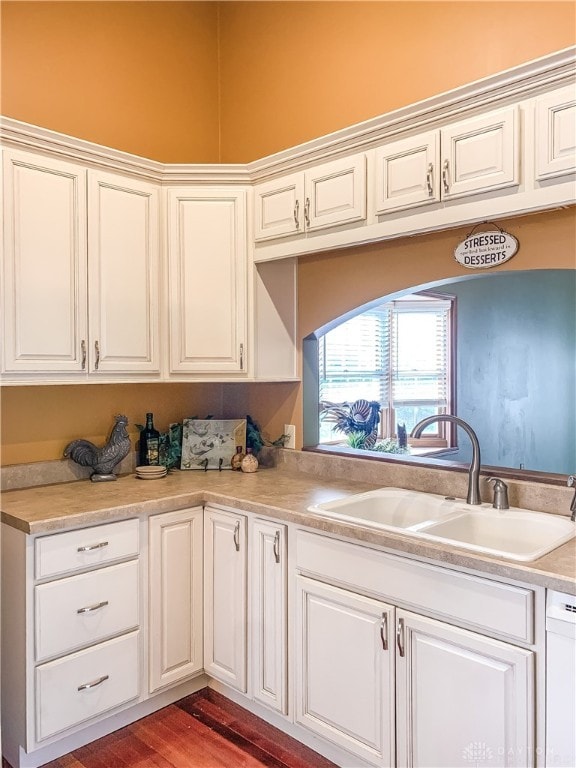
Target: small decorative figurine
236, 460
249, 462
102, 460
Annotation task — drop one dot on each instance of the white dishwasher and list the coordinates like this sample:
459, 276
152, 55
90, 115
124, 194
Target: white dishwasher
560, 680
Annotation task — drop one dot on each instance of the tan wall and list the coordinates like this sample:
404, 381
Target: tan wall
137, 76
87, 69
292, 71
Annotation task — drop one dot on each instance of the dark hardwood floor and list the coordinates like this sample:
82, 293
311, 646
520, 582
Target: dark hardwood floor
204, 730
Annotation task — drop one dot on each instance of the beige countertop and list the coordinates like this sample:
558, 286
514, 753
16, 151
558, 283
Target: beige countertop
279, 493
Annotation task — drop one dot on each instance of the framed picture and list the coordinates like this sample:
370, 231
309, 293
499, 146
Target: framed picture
211, 443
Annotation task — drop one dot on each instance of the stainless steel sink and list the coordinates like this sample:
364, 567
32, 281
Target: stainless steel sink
515, 534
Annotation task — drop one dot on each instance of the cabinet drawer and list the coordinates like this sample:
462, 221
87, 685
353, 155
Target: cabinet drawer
459, 598
85, 609
76, 550
76, 688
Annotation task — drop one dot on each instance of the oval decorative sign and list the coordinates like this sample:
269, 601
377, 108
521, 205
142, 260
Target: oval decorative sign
486, 249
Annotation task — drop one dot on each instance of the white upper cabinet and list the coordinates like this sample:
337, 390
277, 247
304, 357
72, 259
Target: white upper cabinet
123, 248
326, 196
80, 280
556, 134
477, 155
207, 280
45, 268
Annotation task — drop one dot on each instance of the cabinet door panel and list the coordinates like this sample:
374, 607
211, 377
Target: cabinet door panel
225, 614
175, 596
407, 173
336, 193
556, 134
268, 587
480, 154
207, 280
462, 697
344, 675
279, 207
123, 248
44, 264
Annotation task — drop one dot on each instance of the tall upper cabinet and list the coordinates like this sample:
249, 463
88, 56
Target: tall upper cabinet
81, 259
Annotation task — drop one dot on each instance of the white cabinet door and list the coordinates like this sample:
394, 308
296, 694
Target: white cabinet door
225, 614
123, 247
556, 134
269, 614
175, 578
345, 669
407, 172
480, 154
44, 264
207, 262
335, 193
279, 207
462, 699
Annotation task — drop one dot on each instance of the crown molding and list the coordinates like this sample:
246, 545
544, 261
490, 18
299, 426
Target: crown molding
522, 82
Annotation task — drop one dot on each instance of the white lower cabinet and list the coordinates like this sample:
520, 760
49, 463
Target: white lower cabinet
269, 620
175, 590
462, 699
225, 598
345, 669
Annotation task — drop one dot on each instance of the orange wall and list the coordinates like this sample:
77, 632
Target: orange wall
292, 71
143, 77
136, 76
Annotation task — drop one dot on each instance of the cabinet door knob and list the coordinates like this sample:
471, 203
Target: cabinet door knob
445, 180
384, 631
93, 684
237, 536
429, 177
277, 546
400, 636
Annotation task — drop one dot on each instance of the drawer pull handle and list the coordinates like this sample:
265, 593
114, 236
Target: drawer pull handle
237, 536
400, 636
307, 211
90, 608
445, 181
277, 546
384, 631
429, 179
92, 547
93, 684
297, 214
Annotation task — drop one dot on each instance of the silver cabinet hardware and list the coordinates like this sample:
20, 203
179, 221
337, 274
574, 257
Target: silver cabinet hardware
237, 536
97, 350
241, 356
297, 214
91, 547
429, 173
90, 608
93, 684
400, 636
445, 180
307, 211
384, 631
83, 349
277, 546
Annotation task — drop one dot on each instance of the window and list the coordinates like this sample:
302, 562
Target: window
397, 354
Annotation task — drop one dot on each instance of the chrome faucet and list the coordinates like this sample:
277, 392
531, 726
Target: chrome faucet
473, 496
571, 483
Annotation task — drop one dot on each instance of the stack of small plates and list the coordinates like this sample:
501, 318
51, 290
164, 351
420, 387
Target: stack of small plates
151, 473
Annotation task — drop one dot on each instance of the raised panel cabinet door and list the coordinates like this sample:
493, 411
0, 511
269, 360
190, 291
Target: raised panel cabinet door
407, 173
175, 578
345, 669
225, 603
556, 134
123, 269
44, 270
480, 154
462, 699
269, 614
207, 255
279, 207
335, 193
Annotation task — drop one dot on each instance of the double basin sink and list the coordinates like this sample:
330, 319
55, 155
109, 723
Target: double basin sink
514, 534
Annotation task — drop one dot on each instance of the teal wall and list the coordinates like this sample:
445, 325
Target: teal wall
516, 368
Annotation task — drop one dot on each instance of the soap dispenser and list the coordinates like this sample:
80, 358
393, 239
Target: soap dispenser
500, 493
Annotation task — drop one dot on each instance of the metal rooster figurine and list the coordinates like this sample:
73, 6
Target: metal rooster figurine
102, 460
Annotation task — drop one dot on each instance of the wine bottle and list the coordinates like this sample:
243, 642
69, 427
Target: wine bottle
149, 443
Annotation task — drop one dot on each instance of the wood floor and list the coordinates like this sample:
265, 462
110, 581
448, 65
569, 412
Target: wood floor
204, 730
